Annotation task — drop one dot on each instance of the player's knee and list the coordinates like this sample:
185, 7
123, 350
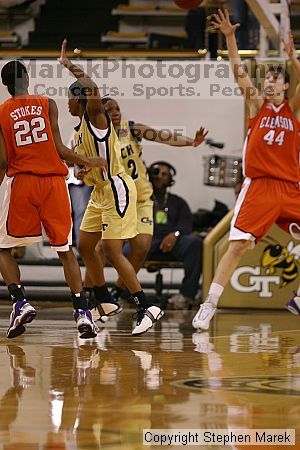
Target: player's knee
83, 250
65, 256
141, 253
238, 248
113, 258
99, 248
140, 246
109, 253
5, 251
112, 252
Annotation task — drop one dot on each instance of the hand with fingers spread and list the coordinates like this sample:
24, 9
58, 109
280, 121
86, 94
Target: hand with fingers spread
289, 46
221, 21
199, 137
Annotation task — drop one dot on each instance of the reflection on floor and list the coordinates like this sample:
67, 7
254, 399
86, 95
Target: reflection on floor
59, 392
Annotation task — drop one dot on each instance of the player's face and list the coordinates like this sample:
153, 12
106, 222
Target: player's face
114, 112
73, 104
161, 180
274, 85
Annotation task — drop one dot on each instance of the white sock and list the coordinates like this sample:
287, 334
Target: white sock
214, 293
298, 292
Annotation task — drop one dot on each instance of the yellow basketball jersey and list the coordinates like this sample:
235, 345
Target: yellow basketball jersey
73, 141
131, 152
89, 144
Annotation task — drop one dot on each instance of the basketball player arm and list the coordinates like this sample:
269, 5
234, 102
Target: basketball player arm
94, 107
289, 47
64, 152
295, 100
3, 158
222, 22
167, 137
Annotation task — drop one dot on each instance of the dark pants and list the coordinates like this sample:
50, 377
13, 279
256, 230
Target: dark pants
188, 249
247, 33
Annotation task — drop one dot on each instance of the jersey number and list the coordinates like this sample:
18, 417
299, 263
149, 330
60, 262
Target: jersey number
27, 133
132, 165
270, 137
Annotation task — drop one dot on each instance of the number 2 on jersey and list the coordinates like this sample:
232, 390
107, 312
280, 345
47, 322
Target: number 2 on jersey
270, 137
132, 165
27, 132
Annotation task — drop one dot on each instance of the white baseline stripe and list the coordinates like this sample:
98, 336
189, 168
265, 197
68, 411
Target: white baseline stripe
245, 151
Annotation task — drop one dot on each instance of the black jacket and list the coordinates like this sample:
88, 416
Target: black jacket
179, 216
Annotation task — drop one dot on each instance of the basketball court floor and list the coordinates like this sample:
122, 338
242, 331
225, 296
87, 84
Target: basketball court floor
58, 392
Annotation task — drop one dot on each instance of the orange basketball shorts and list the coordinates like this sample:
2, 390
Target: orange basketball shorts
32, 201
261, 203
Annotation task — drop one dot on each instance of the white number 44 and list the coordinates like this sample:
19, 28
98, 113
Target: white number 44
270, 137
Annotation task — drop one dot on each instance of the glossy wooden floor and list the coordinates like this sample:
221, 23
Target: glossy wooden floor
58, 392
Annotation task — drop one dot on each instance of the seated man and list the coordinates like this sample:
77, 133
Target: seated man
172, 239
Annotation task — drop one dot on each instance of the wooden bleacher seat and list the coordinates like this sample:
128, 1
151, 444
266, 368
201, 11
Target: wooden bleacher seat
130, 38
118, 34
117, 37
138, 8
9, 39
167, 32
168, 40
148, 10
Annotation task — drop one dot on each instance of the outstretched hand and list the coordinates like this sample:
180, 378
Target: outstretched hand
63, 59
199, 137
289, 46
221, 21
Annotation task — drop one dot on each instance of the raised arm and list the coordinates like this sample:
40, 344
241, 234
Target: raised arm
289, 47
94, 107
222, 22
3, 158
64, 152
166, 137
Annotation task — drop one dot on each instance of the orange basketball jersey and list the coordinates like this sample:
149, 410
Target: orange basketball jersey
26, 128
271, 147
